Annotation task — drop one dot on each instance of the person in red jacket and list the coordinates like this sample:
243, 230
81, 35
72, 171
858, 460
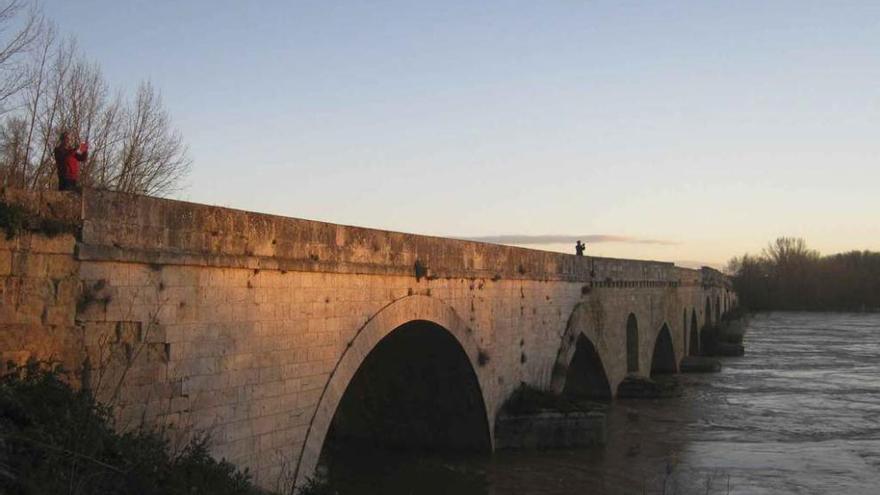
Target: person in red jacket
67, 160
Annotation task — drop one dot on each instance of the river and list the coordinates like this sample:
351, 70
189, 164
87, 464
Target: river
799, 413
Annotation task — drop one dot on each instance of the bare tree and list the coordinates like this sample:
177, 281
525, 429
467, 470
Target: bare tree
36, 96
153, 158
133, 146
789, 251
16, 38
13, 138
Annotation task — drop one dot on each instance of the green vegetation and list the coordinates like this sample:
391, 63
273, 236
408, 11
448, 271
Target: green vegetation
14, 220
790, 276
54, 439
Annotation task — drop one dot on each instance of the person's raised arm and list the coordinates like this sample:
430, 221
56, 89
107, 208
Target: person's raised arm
82, 153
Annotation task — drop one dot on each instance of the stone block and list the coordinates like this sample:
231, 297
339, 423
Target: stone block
308, 398
30, 265
5, 262
96, 270
13, 244
61, 244
59, 315
239, 430
266, 424
235, 449
67, 291
179, 404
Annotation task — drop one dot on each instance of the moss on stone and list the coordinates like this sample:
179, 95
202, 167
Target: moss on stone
15, 220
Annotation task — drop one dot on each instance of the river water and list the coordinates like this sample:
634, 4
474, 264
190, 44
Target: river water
799, 413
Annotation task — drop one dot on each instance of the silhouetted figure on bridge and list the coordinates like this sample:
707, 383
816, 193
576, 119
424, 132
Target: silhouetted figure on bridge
579, 248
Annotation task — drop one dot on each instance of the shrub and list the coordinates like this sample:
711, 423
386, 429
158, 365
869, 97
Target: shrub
13, 219
54, 439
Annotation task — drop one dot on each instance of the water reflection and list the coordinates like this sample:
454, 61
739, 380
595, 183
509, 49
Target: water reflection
800, 413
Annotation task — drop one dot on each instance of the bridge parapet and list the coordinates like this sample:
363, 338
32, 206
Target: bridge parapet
138, 228
714, 278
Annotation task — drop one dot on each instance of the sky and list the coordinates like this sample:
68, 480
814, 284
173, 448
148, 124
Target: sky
689, 131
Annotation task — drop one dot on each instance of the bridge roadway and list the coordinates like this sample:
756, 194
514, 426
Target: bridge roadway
273, 334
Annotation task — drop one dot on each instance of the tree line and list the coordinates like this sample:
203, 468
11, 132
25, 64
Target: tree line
47, 84
788, 275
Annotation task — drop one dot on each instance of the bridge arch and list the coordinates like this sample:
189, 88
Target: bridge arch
707, 332
694, 347
582, 365
586, 377
684, 332
718, 312
632, 344
707, 313
663, 356
391, 325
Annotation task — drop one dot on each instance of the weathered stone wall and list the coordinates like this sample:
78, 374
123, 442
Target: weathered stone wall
39, 287
250, 326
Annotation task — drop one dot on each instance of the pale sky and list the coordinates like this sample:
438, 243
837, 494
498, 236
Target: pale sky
707, 127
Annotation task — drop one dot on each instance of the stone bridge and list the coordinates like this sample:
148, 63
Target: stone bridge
273, 334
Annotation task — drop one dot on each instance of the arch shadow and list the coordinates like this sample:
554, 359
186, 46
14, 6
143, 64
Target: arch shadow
415, 390
663, 357
419, 328
632, 344
586, 377
707, 332
583, 348
707, 312
684, 332
694, 347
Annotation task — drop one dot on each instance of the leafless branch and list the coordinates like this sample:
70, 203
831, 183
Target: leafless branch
48, 85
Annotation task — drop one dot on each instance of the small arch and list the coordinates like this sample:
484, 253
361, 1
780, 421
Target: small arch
632, 344
582, 324
717, 309
707, 333
684, 331
694, 348
586, 376
707, 313
663, 358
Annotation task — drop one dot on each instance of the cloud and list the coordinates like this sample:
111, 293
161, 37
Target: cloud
565, 239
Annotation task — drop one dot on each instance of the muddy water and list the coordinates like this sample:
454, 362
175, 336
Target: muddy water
800, 413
